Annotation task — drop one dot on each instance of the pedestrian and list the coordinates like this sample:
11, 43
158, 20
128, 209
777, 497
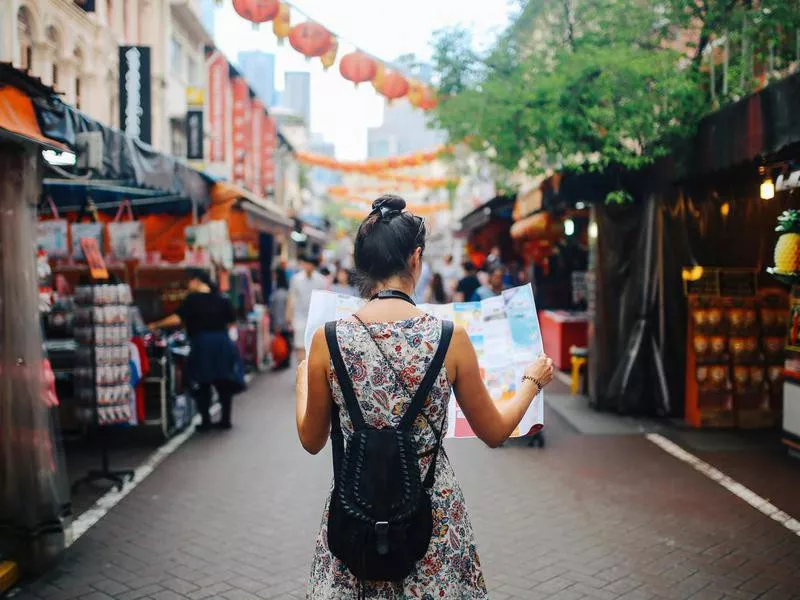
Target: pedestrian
341, 283
424, 281
277, 310
451, 273
493, 260
494, 287
436, 293
301, 286
214, 358
468, 284
388, 345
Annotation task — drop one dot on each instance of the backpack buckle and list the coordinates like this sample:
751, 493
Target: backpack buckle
382, 537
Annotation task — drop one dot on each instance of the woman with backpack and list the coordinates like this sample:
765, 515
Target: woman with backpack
395, 525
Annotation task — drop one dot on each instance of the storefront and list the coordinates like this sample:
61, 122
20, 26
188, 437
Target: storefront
488, 227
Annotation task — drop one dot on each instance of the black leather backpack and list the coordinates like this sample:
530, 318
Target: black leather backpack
380, 520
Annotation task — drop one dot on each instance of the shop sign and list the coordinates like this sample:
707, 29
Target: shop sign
257, 140
134, 92
218, 83
268, 155
241, 101
194, 134
195, 97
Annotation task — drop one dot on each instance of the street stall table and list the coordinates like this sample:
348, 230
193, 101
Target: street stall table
561, 330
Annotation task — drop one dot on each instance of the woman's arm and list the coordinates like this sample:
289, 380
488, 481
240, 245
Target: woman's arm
313, 396
492, 424
167, 322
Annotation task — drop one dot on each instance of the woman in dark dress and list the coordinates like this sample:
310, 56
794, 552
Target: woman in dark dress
214, 360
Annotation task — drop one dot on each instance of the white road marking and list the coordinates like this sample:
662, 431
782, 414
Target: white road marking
111, 498
734, 487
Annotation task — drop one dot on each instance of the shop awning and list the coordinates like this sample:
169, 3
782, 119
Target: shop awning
499, 206
18, 119
124, 158
70, 195
264, 214
539, 227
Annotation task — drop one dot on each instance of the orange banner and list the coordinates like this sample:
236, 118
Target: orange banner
415, 159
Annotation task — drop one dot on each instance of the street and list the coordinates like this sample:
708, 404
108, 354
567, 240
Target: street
234, 514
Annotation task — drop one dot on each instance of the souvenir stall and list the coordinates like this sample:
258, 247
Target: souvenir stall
552, 240
486, 227
135, 209
256, 229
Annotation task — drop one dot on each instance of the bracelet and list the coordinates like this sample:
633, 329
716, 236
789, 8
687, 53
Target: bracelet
534, 380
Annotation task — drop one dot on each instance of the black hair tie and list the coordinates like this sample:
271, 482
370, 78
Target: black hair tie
387, 213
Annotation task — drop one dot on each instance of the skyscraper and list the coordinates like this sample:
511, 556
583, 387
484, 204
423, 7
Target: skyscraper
297, 94
259, 70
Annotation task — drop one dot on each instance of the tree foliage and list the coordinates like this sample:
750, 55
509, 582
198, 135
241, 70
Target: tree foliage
588, 83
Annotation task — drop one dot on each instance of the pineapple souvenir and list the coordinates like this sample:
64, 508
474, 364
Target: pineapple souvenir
787, 250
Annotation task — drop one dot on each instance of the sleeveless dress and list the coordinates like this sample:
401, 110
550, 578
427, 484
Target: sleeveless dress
450, 568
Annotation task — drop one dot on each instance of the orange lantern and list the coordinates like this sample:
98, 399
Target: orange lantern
329, 57
310, 39
257, 11
429, 101
358, 67
393, 86
416, 91
281, 24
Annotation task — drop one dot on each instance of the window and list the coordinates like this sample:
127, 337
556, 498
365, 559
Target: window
78, 93
25, 36
55, 75
175, 57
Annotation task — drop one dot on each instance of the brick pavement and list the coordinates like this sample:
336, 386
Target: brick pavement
233, 516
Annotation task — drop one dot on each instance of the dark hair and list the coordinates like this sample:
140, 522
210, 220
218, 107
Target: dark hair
469, 267
281, 282
310, 259
437, 287
385, 241
325, 271
202, 276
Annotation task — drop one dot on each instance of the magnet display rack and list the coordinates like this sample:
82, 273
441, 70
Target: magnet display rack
102, 371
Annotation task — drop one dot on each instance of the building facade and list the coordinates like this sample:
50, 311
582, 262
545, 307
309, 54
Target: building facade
77, 51
404, 130
296, 94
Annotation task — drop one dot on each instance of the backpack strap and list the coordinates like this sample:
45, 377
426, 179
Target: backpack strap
345, 383
424, 389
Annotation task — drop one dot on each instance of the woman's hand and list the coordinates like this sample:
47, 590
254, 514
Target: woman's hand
539, 373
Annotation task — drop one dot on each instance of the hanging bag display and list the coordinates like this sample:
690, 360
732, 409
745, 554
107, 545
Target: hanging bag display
51, 235
126, 238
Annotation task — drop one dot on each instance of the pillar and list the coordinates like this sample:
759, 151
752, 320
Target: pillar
34, 496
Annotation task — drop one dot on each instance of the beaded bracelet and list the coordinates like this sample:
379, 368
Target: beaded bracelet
534, 380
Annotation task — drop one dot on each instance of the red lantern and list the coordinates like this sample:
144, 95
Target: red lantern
257, 11
310, 39
393, 86
358, 67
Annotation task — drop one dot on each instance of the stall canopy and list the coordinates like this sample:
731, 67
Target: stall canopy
261, 213
499, 206
126, 161
17, 116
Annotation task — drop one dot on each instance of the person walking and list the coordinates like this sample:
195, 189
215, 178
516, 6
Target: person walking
468, 284
387, 347
302, 285
214, 359
341, 283
494, 287
436, 293
277, 309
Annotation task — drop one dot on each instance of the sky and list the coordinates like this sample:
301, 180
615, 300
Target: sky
384, 28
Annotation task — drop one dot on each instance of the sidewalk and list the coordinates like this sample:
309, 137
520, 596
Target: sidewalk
234, 515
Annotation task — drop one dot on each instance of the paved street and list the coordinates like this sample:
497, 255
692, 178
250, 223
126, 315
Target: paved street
233, 516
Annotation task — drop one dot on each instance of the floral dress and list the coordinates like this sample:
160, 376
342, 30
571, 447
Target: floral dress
450, 568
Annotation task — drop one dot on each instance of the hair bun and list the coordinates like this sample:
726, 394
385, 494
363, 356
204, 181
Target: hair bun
389, 202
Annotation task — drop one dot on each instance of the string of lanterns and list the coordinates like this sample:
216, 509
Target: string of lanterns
416, 209
313, 40
415, 159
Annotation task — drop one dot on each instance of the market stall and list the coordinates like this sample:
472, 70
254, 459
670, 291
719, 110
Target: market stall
487, 227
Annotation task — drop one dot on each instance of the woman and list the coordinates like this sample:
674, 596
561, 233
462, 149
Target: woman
388, 256
341, 284
214, 360
436, 293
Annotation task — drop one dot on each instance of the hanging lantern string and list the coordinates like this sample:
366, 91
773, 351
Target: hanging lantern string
395, 67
